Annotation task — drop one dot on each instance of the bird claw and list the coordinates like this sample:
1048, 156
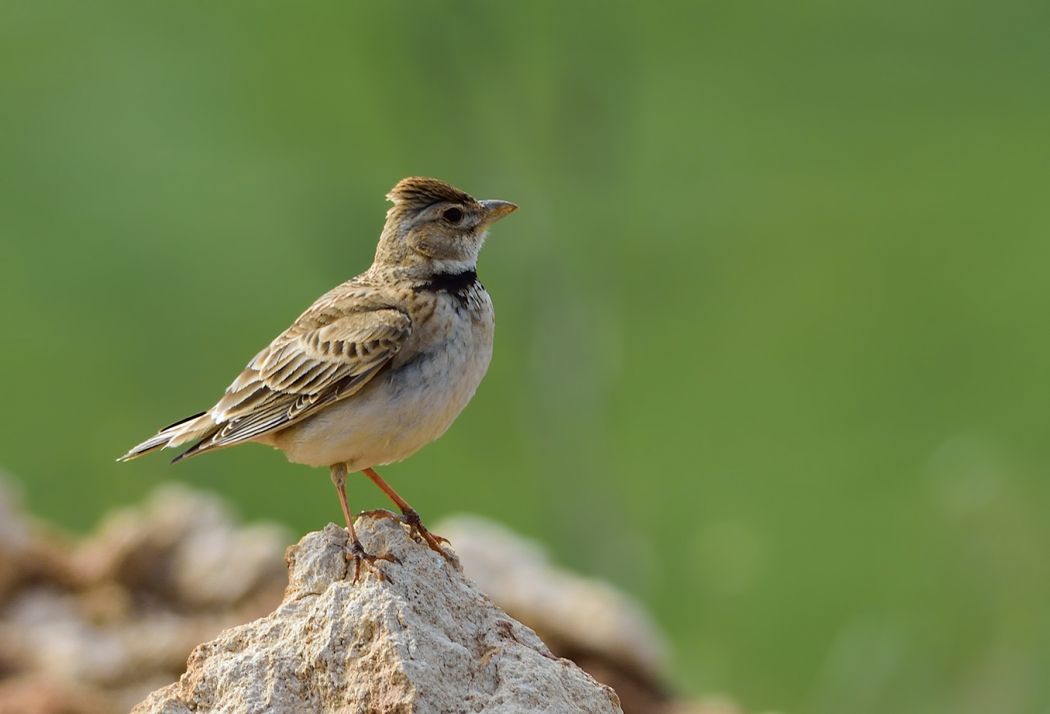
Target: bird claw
411, 519
359, 556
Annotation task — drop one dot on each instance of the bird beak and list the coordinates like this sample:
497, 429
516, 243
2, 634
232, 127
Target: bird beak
495, 210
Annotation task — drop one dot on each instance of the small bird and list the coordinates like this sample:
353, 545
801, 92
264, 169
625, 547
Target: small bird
377, 367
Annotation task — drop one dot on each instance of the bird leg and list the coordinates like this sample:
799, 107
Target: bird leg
408, 516
357, 551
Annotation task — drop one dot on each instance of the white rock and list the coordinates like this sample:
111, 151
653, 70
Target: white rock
579, 613
424, 640
187, 544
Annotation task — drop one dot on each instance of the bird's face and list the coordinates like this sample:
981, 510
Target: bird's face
437, 225
454, 231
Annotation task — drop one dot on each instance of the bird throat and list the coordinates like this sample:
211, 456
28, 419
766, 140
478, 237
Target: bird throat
459, 285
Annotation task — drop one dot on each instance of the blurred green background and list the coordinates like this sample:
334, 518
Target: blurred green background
772, 319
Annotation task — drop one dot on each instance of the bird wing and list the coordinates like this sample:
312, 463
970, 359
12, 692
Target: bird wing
325, 356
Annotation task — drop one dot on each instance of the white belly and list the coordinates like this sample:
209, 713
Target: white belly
405, 407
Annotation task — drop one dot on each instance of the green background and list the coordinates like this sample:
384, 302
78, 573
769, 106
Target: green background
772, 319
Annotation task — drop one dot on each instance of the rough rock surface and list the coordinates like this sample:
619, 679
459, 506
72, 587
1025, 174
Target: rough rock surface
586, 613
91, 627
424, 640
599, 627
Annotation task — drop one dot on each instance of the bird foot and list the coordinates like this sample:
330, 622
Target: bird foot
360, 557
411, 519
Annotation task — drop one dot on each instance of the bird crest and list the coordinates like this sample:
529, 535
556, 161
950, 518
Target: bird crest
417, 192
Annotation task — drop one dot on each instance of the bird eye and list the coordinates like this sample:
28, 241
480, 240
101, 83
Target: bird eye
453, 215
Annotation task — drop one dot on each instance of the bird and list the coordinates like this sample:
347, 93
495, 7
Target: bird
377, 367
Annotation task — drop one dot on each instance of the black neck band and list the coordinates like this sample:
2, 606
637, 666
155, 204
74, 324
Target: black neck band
454, 283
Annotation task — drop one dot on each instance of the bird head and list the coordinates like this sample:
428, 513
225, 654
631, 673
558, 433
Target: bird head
435, 226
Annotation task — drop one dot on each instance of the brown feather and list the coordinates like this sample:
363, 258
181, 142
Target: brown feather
295, 377
417, 192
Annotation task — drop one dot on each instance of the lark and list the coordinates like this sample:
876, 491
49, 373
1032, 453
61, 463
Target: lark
377, 367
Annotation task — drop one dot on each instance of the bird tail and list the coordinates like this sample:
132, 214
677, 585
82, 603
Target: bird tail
181, 432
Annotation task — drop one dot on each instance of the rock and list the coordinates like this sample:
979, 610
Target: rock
602, 629
96, 624
32, 695
424, 640
184, 546
103, 622
29, 551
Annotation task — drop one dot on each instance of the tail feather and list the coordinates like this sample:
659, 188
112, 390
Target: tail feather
181, 432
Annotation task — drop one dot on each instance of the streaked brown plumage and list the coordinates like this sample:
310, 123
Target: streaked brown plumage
378, 366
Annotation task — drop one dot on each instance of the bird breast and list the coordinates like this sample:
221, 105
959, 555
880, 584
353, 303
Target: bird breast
415, 399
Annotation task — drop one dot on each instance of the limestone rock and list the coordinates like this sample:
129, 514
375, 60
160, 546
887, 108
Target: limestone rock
601, 628
424, 640
185, 546
95, 625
